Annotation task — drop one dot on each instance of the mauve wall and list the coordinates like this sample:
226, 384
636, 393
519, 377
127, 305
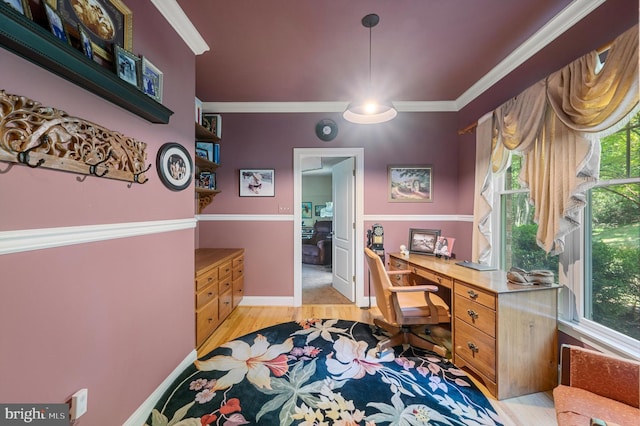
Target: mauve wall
113, 316
268, 140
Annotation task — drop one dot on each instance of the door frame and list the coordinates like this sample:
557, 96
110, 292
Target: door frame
358, 258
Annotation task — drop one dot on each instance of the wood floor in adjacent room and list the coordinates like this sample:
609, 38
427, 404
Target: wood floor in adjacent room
530, 410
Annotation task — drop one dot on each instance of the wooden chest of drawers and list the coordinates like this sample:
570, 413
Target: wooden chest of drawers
219, 285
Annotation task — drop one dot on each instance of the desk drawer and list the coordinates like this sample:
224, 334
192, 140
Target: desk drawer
224, 270
476, 315
224, 285
238, 291
476, 348
206, 279
206, 295
475, 294
397, 264
434, 277
225, 303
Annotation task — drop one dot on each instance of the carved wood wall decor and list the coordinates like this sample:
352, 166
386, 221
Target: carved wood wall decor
39, 136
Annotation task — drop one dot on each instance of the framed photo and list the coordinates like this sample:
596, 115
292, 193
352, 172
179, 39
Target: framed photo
423, 241
85, 42
213, 123
306, 210
207, 147
151, 80
318, 209
202, 153
21, 6
444, 247
108, 23
55, 23
207, 180
127, 66
410, 184
174, 166
257, 183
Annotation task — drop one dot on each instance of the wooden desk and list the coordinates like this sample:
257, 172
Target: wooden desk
506, 334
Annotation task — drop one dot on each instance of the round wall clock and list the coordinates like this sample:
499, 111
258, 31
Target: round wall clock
174, 166
326, 130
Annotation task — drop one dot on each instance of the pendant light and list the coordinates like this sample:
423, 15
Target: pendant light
370, 110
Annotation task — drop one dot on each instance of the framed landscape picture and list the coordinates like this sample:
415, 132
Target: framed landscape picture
257, 183
410, 184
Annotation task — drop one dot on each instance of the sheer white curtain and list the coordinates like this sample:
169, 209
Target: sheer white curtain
556, 125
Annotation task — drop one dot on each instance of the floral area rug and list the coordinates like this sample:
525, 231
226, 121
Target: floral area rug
321, 372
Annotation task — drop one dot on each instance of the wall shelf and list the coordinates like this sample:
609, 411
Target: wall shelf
34, 43
204, 196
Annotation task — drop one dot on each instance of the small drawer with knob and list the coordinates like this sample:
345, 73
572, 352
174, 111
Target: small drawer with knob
206, 295
207, 278
475, 294
206, 320
475, 314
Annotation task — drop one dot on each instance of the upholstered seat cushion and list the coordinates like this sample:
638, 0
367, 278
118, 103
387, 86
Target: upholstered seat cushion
576, 407
413, 304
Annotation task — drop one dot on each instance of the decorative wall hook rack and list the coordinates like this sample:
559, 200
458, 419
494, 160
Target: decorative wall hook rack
39, 136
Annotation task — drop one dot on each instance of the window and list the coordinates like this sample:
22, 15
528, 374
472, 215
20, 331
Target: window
604, 289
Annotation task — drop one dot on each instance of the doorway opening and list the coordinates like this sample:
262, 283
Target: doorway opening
346, 267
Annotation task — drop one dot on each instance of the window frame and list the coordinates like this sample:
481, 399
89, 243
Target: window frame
571, 277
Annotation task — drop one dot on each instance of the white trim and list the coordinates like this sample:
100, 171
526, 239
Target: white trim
367, 217
245, 217
38, 239
139, 417
563, 21
176, 17
601, 338
266, 301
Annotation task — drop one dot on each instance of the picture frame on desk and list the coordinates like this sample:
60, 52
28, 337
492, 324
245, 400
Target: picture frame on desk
444, 247
423, 241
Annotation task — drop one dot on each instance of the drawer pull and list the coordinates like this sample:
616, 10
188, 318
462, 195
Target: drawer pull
209, 279
209, 294
473, 314
472, 294
439, 280
473, 347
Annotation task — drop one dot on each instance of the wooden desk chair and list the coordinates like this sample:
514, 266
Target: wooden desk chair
404, 308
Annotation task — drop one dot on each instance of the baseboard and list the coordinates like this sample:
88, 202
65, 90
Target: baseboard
139, 417
266, 301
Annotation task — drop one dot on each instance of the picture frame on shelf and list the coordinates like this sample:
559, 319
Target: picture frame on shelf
318, 209
257, 183
306, 210
151, 80
108, 23
127, 66
85, 42
444, 247
56, 25
21, 6
174, 166
410, 184
207, 180
206, 147
202, 153
423, 241
198, 105
213, 123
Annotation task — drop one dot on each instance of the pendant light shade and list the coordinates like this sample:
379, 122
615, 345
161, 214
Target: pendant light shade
370, 111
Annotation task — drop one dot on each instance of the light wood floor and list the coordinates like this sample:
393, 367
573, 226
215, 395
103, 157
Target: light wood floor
536, 409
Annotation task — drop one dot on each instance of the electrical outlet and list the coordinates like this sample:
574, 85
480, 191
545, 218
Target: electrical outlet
78, 403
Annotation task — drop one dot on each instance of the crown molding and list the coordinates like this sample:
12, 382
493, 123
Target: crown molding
174, 14
569, 16
564, 20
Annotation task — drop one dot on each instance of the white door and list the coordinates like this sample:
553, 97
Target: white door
343, 227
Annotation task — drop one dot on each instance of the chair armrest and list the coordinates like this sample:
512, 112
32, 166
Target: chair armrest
400, 272
414, 288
